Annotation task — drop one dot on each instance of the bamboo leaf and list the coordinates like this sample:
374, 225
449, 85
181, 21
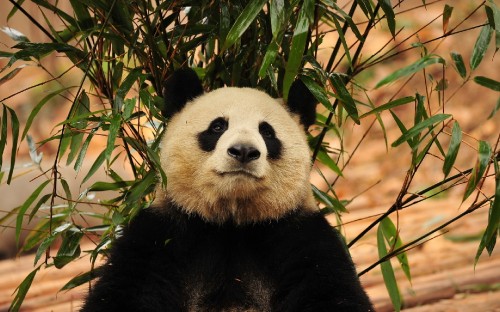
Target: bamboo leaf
22, 290
480, 46
243, 22
3, 134
83, 150
394, 242
298, 46
389, 15
26, 205
487, 82
107, 186
446, 16
15, 34
493, 112
83, 278
388, 271
114, 127
318, 92
415, 130
484, 153
459, 64
277, 14
70, 247
97, 164
11, 74
366, 7
37, 109
389, 105
411, 69
451, 156
122, 91
47, 242
269, 58
344, 96
14, 124
493, 14
332, 204
326, 160
488, 239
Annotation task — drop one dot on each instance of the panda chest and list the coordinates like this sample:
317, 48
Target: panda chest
227, 274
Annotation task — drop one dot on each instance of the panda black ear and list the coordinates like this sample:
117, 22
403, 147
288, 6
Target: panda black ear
302, 102
182, 86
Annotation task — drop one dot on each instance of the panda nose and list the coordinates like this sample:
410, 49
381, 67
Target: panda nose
243, 153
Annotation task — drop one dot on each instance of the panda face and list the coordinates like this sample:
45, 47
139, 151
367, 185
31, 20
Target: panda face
236, 154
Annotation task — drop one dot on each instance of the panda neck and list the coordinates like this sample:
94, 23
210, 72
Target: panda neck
238, 210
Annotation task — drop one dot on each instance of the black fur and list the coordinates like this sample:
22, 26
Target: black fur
273, 144
302, 102
208, 139
168, 262
182, 86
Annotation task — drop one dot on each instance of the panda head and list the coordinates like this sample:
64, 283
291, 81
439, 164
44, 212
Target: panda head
235, 154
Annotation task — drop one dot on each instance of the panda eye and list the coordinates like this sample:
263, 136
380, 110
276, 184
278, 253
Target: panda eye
218, 125
266, 130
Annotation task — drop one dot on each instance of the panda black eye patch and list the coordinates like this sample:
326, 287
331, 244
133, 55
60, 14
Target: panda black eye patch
273, 144
208, 139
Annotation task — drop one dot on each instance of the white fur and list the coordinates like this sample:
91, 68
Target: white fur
216, 186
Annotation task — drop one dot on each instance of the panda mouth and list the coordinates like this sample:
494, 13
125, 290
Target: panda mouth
239, 172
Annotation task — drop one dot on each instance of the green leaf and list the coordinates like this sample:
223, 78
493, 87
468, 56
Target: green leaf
343, 95
47, 242
415, 130
394, 241
269, 57
411, 69
114, 127
495, 109
488, 239
277, 13
11, 75
243, 22
122, 91
389, 105
480, 46
83, 150
40, 202
389, 15
342, 39
70, 247
388, 272
487, 82
446, 16
326, 160
37, 109
22, 290
366, 7
479, 168
83, 278
97, 164
298, 46
14, 124
451, 156
24, 207
3, 134
459, 64
109, 186
332, 204
493, 14
318, 91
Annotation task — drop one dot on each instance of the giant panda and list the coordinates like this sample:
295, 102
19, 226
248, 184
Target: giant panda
236, 227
